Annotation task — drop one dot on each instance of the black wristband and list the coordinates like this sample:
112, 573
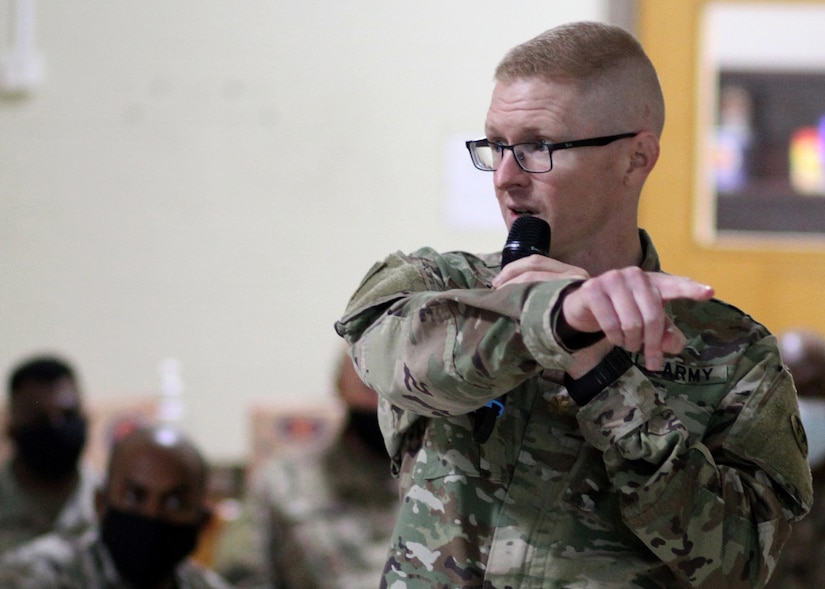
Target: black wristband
603, 374
571, 338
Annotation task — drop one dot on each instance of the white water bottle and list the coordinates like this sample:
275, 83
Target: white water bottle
171, 408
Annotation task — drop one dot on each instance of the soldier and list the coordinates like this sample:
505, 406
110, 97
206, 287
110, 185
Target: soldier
802, 564
320, 518
649, 436
151, 511
43, 487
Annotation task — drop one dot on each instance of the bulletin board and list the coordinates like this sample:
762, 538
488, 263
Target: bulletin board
761, 116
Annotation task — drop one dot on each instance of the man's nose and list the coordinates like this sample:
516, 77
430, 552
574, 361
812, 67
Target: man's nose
508, 170
151, 508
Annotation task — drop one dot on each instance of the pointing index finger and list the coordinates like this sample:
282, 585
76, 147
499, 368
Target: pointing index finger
679, 287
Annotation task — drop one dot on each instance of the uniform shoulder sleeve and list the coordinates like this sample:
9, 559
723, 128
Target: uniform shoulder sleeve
767, 431
400, 274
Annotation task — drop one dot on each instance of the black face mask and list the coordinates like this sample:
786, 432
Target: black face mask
365, 425
51, 452
146, 550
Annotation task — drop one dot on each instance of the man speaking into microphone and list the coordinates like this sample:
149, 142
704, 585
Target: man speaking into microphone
644, 434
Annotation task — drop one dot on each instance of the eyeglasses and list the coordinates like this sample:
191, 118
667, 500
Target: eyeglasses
536, 157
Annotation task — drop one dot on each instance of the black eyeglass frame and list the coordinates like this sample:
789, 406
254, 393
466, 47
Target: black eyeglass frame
551, 147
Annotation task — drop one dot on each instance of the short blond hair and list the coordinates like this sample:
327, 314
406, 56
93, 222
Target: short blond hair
597, 57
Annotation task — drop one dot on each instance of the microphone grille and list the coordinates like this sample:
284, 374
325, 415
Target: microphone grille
531, 230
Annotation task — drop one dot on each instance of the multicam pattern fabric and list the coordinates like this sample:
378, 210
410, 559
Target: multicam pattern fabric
802, 562
316, 520
23, 515
689, 476
80, 561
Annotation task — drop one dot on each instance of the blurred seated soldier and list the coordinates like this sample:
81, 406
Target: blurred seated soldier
320, 518
151, 511
802, 562
42, 488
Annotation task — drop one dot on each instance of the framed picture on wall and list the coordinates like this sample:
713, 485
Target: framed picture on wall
761, 117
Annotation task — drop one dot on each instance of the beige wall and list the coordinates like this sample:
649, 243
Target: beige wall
208, 180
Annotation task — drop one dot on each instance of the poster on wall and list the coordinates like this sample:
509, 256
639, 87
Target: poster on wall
761, 116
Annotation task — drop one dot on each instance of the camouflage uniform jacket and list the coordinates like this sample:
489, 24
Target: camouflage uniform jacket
802, 562
24, 515
80, 561
323, 519
688, 476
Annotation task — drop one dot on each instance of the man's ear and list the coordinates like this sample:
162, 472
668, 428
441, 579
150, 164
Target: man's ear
11, 423
644, 155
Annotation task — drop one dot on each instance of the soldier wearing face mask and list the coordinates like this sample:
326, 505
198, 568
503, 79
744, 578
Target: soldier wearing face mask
151, 510
319, 518
42, 486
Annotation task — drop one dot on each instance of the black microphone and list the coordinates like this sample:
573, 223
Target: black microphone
528, 235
